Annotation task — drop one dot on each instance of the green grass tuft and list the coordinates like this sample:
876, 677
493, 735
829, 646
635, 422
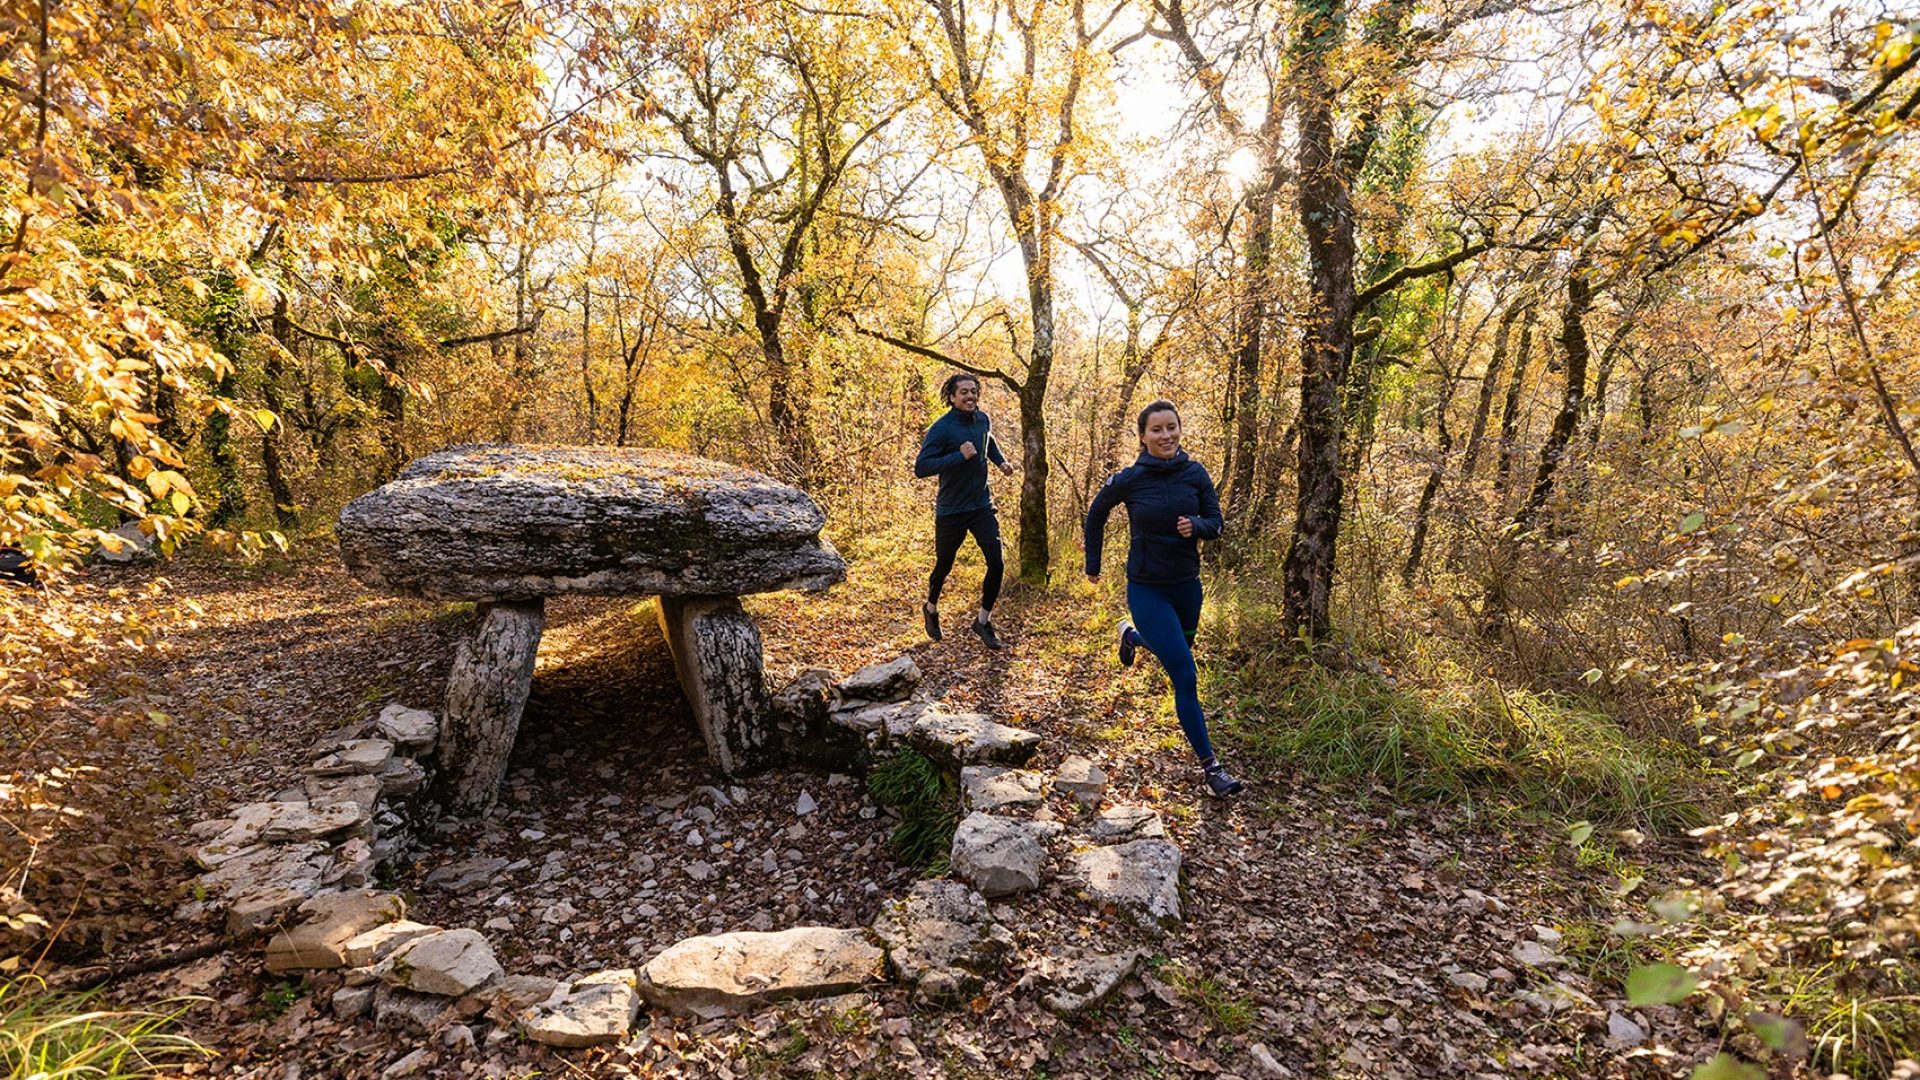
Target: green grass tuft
927, 799
50, 1035
1442, 733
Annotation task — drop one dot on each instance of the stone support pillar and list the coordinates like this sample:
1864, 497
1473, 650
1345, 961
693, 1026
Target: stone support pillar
716, 650
486, 693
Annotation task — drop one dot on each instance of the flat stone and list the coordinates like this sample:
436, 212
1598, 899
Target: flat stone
1000, 856
521, 522
406, 1010
1623, 1032
941, 938
1127, 823
1081, 979
359, 788
329, 922
991, 787
316, 821
1534, 954
353, 1002
378, 943
450, 962
728, 974
354, 756
353, 865
412, 730
879, 725
401, 777
408, 1064
261, 909
468, 875
971, 739
1141, 878
229, 836
1082, 779
298, 867
516, 992
597, 1009
888, 681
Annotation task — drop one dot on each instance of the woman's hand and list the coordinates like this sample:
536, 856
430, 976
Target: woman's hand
1184, 527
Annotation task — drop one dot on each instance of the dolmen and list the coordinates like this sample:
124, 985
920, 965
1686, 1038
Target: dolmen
507, 526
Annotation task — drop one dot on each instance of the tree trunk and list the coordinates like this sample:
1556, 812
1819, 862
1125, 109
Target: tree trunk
1510, 409
486, 693
1251, 322
272, 460
586, 362
1477, 434
1573, 338
1326, 219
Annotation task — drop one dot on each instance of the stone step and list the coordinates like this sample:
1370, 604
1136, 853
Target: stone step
1001, 856
971, 739
1140, 878
718, 975
942, 940
992, 787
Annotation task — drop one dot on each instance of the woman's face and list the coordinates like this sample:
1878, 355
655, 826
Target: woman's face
1162, 437
966, 395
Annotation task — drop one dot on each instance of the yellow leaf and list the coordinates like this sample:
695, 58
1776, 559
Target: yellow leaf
265, 418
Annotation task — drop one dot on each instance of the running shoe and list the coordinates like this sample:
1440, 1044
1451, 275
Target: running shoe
1129, 642
984, 629
930, 616
1220, 783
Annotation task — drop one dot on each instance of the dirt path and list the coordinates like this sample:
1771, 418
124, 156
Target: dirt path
1328, 932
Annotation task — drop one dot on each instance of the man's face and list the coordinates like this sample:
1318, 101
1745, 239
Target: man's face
966, 396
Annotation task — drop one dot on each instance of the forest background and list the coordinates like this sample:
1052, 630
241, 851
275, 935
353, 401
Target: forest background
1566, 350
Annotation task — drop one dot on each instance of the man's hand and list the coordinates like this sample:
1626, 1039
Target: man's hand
1006, 467
967, 451
1184, 527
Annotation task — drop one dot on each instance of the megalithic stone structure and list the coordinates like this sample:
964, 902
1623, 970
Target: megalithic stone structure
507, 526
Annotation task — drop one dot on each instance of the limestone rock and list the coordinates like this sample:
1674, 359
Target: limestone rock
401, 777
516, 992
1141, 878
1081, 779
314, 821
130, 544
377, 943
298, 867
1000, 856
991, 788
468, 875
518, 522
881, 724
889, 681
412, 730
261, 909
352, 1002
1080, 980
353, 756
450, 962
329, 922
1127, 823
407, 1010
941, 938
360, 789
229, 836
727, 974
597, 1009
972, 738
716, 651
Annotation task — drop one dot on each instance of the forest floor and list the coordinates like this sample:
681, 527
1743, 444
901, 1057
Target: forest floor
1329, 930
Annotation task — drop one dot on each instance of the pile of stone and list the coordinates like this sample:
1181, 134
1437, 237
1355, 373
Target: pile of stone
880, 708
333, 832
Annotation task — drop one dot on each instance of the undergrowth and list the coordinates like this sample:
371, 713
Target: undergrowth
1435, 729
48, 1035
927, 800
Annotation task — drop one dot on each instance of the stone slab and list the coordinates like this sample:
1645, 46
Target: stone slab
728, 974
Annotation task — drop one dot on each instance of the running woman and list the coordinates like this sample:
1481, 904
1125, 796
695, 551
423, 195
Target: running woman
1171, 507
957, 449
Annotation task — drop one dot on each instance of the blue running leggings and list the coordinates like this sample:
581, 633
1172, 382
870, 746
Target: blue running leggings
1166, 618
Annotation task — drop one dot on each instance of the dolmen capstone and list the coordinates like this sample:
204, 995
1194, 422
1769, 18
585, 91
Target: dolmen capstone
507, 526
